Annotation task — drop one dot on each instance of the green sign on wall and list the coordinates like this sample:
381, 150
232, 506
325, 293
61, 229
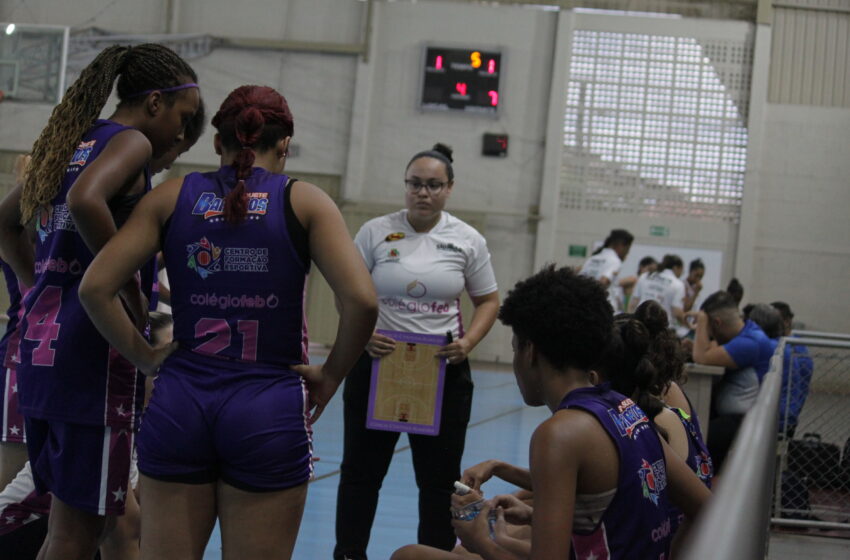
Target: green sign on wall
659, 231
578, 250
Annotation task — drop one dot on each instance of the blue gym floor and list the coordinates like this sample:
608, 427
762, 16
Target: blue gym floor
500, 427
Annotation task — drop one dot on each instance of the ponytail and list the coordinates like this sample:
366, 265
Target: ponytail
142, 69
77, 112
636, 376
252, 118
248, 127
665, 351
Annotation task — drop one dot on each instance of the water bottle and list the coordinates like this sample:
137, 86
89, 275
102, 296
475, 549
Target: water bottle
470, 511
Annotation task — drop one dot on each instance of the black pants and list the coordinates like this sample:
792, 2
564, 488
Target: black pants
367, 455
722, 431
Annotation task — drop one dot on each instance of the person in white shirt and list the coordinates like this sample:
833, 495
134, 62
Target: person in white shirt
604, 266
693, 283
665, 287
421, 260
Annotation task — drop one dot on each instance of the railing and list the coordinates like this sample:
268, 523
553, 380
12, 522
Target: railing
734, 524
812, 489
819, 334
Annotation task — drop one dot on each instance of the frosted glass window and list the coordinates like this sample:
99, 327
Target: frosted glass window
662, 124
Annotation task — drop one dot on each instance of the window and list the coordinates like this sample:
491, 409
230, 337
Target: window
656, 124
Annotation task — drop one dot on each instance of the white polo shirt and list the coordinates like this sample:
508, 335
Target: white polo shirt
665, 288
606, 264
419, 276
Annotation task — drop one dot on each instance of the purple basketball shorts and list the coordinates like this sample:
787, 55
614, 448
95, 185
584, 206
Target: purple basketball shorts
210, 419
87, 467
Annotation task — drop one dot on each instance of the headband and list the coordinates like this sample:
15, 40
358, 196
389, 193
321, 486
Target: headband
165, 90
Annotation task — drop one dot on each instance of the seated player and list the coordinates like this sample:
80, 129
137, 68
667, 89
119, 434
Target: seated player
597, 451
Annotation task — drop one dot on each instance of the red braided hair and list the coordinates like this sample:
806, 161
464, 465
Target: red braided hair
252, 118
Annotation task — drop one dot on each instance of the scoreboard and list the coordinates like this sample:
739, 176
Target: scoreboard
464, 80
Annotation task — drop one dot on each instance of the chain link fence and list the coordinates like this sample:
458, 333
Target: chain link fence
813, 475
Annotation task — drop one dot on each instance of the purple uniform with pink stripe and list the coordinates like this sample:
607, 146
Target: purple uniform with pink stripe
81, 399
636, 523
68, 372
226, 404
13, 420
698, 459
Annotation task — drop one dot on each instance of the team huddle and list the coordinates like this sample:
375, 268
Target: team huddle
95, 460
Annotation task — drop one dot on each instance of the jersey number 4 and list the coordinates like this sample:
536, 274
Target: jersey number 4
221, 331
42, 326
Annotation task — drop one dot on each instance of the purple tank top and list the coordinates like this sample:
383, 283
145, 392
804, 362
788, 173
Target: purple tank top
636, 523
9, 344
68, 372
237, 290
699, 459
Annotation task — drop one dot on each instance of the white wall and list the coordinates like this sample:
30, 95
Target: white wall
802, 245
334, 21
360, 120
389, 128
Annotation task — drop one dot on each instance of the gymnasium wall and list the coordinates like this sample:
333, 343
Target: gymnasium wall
356, 117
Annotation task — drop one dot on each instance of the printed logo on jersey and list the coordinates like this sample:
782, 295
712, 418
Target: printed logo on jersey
59, 265
204, 257
82, 153
663, 531
397, 236
629, 419
224, 302
416, 289
449, 247
653, 479
705, 468
53, 218
393, 254
209, 205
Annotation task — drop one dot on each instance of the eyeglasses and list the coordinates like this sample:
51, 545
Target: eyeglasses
414, 187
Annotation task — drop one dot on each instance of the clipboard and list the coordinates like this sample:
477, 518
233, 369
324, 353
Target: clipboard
406, 389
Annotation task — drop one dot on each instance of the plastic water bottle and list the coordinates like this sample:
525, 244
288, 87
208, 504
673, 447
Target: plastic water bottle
470, 511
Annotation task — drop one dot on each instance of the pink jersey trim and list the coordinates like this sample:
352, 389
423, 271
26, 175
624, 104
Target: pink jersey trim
13, 420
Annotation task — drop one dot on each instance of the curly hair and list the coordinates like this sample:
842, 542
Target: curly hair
141, 68
566, 316
626, 365
665, 351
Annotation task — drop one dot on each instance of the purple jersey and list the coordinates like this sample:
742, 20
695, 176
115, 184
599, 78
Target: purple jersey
636, 523
7, 344
237, 291
698, 458
68, 372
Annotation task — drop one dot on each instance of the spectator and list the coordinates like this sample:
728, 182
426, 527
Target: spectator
797, 369
744, 350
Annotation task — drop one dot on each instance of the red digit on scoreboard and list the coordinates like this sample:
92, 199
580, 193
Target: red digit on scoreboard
494, 97
461, 88
439, 63
491, 66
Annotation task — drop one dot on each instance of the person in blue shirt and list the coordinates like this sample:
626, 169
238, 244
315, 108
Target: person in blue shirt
724, 338
797, 369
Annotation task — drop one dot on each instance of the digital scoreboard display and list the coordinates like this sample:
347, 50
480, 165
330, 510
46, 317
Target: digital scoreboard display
461, 80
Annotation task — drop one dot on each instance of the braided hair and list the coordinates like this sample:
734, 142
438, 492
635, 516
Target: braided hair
252, 118
141, 68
